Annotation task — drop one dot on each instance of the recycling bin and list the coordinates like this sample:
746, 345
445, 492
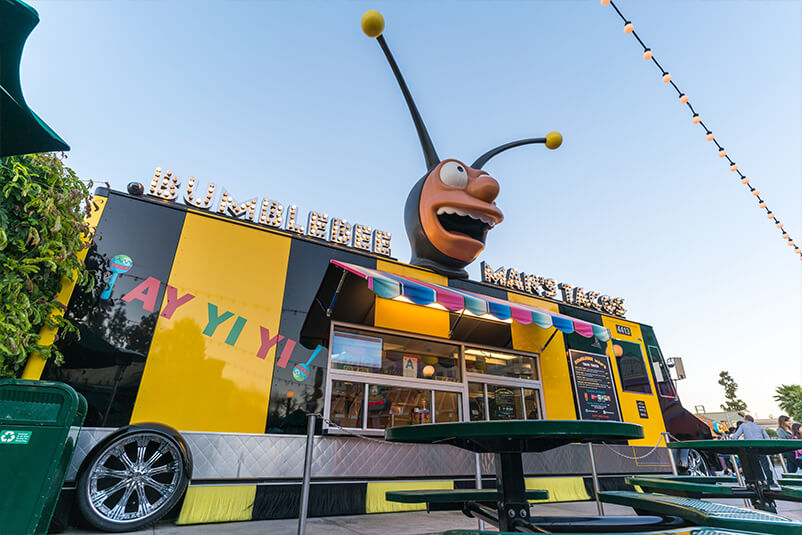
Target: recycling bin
39, 425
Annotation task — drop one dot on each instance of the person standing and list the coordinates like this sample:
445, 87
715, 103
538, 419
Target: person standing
751, 431
784, 433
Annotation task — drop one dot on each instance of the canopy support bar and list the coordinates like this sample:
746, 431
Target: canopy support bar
542, 349
336, 294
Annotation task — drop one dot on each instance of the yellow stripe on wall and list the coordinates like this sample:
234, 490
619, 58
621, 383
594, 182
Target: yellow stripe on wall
556, 377
200, 378
561, 489
217, 504
408, 317
654, 425
36, 364
376, 501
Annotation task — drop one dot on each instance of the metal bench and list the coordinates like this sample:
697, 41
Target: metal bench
684, 531
679, 488
703, 513
455, 495
703, 479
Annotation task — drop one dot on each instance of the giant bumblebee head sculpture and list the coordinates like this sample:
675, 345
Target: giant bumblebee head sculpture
451, 209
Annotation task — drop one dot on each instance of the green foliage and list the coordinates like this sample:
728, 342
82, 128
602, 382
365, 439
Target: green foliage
43, 208
730, 393
789, 398
772, 433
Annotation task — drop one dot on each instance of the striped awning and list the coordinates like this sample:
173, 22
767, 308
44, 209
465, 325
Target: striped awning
391, 286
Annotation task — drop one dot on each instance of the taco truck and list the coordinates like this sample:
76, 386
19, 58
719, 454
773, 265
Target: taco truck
216, 325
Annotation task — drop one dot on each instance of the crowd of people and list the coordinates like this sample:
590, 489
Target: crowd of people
749, 430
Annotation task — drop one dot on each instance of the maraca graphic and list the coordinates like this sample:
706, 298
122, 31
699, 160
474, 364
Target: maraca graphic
301, 371
119, 264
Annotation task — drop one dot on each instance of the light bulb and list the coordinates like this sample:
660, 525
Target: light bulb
605, 2
755, 192
762, 204
779, 224
770, 215
666, 77
709, 136
683, 98
722, 153
628, 27
696, 119
647, 54
733, 167
744, 180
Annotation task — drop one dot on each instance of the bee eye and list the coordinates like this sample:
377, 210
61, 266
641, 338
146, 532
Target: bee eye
454, 174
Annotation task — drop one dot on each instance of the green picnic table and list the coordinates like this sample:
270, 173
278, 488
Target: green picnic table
508, 440
749, 452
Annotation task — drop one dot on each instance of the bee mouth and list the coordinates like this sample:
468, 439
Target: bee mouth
467, 224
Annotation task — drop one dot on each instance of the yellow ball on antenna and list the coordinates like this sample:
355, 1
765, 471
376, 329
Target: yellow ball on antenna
553, 140
372, 23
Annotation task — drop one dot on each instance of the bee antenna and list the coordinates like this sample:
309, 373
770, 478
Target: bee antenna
373, 25
552, 141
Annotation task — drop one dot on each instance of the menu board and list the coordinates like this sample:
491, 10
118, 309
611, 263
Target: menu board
593, 386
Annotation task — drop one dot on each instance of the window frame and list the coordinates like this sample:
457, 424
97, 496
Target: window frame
367, 379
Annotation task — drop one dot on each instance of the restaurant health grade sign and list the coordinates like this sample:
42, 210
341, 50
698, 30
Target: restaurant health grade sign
593, 386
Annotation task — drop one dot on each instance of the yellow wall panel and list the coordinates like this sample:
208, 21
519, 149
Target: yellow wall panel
376, 500
217, 504
561, 489
408, 317
36, 364
198, 377
556, 377
653, 426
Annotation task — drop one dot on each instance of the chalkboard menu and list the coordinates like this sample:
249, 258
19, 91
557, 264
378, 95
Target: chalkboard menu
593, 386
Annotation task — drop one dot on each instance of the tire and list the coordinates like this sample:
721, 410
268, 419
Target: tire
697, 464
133, 478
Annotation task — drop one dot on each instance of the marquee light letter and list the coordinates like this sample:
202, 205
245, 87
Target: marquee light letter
549, 288
531, 284
495, 277
568, 296
199, 201
514, 280
215, 320
147, 291
361, 237
267, 342
164, 187
173, 301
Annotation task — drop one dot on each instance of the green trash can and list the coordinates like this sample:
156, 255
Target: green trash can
39, 425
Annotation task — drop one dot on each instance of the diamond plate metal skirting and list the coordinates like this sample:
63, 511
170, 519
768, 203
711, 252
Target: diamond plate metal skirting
232, 456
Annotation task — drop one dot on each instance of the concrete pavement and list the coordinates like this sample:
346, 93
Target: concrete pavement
416, 523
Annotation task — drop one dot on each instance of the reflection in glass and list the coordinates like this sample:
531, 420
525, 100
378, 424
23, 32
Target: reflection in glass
476, 401
505, 402
390, 406
631, 368
500, 364
388, 354
347, 403
446, 407
531, 404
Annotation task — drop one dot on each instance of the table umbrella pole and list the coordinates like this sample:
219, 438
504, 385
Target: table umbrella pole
304, 505
479, 482
599, 506
740, 477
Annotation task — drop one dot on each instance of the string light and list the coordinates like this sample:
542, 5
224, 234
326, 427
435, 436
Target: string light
695, 119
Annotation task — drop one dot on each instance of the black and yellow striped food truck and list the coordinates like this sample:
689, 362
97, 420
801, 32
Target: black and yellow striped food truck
217, 325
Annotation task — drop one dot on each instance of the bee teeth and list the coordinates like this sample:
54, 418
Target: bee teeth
479, 217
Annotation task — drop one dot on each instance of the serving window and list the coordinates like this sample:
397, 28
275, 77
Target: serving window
631, 367
379, 379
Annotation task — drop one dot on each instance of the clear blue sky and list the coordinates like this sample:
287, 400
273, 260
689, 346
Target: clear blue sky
290, 100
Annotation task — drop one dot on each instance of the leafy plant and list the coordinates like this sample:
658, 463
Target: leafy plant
43, 209
789, 398
730, 393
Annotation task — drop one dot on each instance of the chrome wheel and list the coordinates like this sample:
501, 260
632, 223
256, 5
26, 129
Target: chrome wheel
134, 479
696, 464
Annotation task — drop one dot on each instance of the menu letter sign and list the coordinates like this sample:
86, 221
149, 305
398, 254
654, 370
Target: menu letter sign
593, 386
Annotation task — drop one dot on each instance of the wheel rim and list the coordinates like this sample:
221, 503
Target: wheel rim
696, 465
134, 478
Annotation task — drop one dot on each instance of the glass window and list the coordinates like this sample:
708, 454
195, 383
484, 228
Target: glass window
661, 375
532, 404
505, 402
501, 364
446, 407
476, 401
390, 354
347, 403
390, 406
631, 368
